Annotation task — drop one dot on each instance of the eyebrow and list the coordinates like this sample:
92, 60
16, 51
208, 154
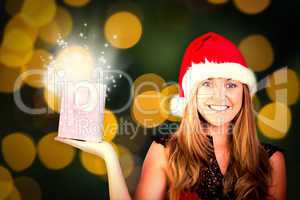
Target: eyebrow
213, 78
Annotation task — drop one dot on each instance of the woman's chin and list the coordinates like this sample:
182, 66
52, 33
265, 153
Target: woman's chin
217, 123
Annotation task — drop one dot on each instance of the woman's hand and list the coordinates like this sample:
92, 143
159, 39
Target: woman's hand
102, 149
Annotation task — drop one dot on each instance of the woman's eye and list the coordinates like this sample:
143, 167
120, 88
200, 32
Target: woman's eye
206, 83
231, 85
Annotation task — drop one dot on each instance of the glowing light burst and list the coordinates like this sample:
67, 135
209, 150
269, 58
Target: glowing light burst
80, 59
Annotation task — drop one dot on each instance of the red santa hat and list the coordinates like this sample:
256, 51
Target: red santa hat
210, 56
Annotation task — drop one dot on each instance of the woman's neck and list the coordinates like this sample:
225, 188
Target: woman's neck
220, 135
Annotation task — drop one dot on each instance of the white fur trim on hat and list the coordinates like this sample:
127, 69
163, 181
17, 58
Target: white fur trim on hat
177, 105
202, 71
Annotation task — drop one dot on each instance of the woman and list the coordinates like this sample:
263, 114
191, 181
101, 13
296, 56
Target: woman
215, 153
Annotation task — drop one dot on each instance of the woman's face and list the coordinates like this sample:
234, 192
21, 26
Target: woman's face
219, 100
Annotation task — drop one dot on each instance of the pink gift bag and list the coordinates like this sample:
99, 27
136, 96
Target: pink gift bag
82, 111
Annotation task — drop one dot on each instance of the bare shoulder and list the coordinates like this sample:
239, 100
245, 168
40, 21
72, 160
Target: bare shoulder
153, 179
157, 153
277, 159
278, 186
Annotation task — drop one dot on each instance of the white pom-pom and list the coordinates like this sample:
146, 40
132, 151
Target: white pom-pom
177, 105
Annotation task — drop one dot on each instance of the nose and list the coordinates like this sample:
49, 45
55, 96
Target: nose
219, 94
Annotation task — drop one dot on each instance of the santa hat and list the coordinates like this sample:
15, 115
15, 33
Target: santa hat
210, 56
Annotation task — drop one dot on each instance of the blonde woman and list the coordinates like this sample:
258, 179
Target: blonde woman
215, 153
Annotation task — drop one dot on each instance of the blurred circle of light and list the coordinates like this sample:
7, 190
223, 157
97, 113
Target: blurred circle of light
76, 62
252, 7
18, 150
14, 195
146, 109
123, 30
59, 28
76, 3
28, 188
39, 61
93, 163
167, 93
19, 36
55, 155
274, 120
8, 77
13, 7
38, 13
12, 58
257, 51
52, 99
6, 182
256, 103
148, 82
283, 86
217, 1
126, 160
110, 125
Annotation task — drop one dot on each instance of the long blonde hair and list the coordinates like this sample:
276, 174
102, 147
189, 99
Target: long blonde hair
249, 172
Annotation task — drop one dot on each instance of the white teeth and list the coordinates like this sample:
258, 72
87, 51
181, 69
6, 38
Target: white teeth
218, 108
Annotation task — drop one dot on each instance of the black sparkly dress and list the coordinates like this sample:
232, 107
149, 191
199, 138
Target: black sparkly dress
211, 184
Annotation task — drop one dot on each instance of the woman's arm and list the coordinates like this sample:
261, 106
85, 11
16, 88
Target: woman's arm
117, 186
153, 180
278, 186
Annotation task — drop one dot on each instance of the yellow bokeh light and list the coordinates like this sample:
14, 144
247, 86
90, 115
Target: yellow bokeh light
28, 188
148, 82
8, 77
19, 36
126, 160
18, 150
53, 154
110, 126
38, 13
257, 51
217, 1
76, 62
6, 182
12, 58
77, 3
52, 99
13, 7
256, 103
167, 93
274, 120
283, 86
93, 163
17, 40
39, 61
14, 195
252, 6
123, 30
59, 28
146, 109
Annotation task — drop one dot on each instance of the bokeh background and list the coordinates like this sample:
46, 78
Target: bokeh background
146, 40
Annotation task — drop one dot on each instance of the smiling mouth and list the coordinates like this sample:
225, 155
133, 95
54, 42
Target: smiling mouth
218, 108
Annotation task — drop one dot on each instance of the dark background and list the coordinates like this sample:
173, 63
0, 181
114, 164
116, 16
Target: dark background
168, 26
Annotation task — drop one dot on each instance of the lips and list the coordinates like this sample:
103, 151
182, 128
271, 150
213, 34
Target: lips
218, 108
